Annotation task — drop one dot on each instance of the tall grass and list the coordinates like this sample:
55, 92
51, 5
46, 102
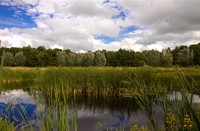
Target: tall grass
180, 116
101, 80
112, 81
149, 86
13, 117
1, 68
8, 114
56, 116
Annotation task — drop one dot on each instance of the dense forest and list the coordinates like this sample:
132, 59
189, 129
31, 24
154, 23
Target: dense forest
42, 57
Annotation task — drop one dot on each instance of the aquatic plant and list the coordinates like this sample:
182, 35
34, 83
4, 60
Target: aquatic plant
14, 115
180, 116
56, 116
148, 86
6, 126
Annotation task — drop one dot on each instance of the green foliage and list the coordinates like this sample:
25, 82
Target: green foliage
41, 57
8, 59
111, 59
61, 58
31, 56
125, 57
166, 57
71, 59
185, 57
20, 59
148, 85
152, 57
196, 52
79, 60
99, 59
88, 59
6, 125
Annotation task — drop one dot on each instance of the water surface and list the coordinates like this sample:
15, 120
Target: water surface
111, 111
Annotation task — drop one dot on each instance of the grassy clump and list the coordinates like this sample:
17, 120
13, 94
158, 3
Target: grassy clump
18, 75
103, 80
109, 80
149, 86
6, 126
181, 115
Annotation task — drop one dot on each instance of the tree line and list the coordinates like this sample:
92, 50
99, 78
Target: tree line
42, 57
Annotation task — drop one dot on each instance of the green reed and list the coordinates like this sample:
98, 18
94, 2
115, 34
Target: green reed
5, 125
149, 86
111, 81
101, 80
9, 113
181, 116
56, 116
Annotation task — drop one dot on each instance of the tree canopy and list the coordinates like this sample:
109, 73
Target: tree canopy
42, 57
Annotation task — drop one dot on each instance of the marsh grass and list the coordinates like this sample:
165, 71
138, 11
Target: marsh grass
149, 86
100, 81
6, 126
56, 116
8, 116
9, 113
1, 68
181, 116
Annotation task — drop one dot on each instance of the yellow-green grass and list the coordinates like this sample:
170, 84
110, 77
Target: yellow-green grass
6, 126
141, 83
111, 80
104, 80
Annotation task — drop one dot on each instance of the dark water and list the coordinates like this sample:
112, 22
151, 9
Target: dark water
111, 111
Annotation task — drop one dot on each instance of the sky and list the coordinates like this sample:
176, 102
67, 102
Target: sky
90, 25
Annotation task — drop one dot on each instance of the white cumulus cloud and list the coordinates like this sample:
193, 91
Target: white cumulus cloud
72, 24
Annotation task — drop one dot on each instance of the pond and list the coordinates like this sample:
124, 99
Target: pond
111, 112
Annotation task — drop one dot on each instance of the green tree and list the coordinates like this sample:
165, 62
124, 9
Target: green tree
8, 59
52, 57
196, 51
79, 59
166, 57
14, 50
139, 59
31, 56
175, 53
99, 59
70, 59
41, 48
88, 59
61, 58
152, 57
20, 59
185, 57
111, 59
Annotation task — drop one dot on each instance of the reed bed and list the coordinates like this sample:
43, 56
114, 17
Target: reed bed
147, 85
19, 75
182, 115
116, 81
103, 80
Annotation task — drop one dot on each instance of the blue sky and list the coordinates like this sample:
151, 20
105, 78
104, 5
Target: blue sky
124, 31
100, 24
13, 16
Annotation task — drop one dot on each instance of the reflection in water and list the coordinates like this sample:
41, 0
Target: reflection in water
14, 113
111, 111
17, 105
177, 95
